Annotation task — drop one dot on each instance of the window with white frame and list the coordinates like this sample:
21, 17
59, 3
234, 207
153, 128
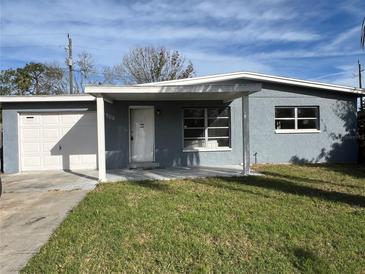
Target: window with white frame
207, 128
297, 118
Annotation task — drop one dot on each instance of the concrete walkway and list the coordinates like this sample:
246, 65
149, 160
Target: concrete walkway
173, 173
169, 173
34, 204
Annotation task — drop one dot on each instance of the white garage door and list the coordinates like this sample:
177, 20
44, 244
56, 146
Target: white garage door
60, 140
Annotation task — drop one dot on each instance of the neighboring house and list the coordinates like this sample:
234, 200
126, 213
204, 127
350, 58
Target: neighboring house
361, 132
227, 119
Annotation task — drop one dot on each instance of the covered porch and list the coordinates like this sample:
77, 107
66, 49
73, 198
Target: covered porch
114, 105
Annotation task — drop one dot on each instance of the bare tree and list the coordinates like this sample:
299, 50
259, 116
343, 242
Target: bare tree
86, 67
150, 64
112, 75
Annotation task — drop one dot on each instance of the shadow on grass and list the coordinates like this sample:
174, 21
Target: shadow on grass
307, 262
355, 171
290, 187
213, 182
307, 180
153, 185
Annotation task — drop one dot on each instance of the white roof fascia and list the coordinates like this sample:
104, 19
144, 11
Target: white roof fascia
172, 89
46, 98
258, 77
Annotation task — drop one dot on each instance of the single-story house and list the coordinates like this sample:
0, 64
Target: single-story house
226, 119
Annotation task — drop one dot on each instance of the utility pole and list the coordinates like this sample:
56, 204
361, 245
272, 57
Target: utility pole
70, 62
362, 102
360, 70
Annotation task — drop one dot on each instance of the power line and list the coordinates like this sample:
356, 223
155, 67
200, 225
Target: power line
108, 49
69, 61
98, 71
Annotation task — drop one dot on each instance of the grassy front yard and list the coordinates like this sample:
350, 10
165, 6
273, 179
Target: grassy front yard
295, 219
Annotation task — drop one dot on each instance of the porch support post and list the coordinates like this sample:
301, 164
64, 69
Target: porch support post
245, 135
101, 138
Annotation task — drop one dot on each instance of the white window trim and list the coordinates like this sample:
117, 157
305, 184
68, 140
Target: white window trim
291, 131
206, 138
296, 119
207, 149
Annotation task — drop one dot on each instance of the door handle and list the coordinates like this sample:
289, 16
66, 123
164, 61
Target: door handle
131, 138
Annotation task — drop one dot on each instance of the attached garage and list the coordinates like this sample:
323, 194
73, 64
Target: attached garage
56, 132
57, 140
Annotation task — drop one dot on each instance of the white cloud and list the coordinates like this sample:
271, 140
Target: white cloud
345, 75
342, 38
218, 36
208, 63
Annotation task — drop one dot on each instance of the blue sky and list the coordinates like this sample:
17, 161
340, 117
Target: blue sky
316, 40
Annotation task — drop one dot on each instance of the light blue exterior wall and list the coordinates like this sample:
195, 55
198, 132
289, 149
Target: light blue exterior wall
336, 142
10, 126
168, 135
10, 141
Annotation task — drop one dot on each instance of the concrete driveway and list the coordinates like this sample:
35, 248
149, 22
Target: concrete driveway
32, 206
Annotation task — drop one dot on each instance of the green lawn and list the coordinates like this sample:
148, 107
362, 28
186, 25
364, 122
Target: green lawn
294, 219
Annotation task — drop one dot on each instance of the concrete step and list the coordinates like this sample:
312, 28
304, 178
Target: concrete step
143, 165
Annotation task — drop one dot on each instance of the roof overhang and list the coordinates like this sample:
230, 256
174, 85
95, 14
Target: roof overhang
173, 92
258, 77
197, 88
46, 98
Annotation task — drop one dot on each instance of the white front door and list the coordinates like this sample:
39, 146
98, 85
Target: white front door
142, 134
58, 140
